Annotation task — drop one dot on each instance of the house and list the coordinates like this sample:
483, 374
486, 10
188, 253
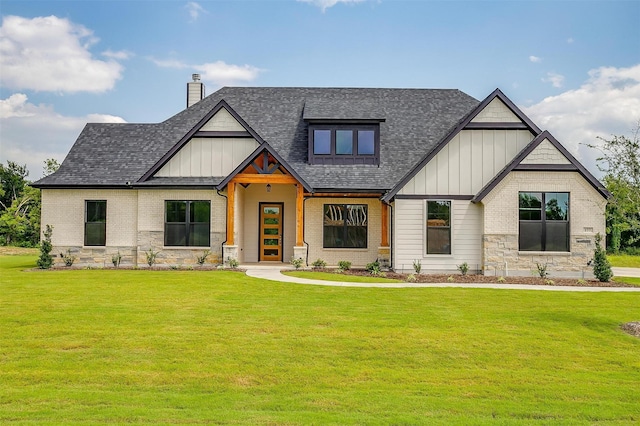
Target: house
264, 174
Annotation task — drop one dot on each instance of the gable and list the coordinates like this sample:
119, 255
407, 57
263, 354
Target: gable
551, 150
208, 157
496, 122
222, 121
545, 153
496, 112
469, 161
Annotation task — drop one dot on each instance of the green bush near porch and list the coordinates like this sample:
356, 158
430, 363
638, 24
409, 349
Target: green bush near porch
164, 347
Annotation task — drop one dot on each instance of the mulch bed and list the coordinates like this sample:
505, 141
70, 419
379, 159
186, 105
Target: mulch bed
633, 328
459, 278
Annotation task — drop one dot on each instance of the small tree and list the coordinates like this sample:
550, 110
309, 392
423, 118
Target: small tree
45, 260
601, 266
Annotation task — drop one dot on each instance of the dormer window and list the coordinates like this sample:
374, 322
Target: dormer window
344, 144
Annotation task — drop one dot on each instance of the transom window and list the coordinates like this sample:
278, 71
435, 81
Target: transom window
438, 227
187, 223
95, 223
344, 144
345, 225
543, 221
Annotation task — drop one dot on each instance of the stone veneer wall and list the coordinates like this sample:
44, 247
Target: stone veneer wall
500, 238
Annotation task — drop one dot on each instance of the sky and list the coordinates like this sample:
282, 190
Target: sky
572, 66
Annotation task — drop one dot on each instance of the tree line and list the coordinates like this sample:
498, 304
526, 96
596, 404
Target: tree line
619, 161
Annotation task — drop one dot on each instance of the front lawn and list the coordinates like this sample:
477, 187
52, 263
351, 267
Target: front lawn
624, 260
167, 347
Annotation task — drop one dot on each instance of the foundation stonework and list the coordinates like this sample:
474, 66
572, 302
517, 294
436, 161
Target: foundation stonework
502, 258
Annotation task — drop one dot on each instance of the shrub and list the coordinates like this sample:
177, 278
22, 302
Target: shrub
549, 282
116, 259
411, 278
297, 262
45, 260
344, 265
601, 265
373, 268
151, 256
501, 279
541, 270
233, 263
319, 264
464, 268
417, 266
203, 258
450, 279
68, 258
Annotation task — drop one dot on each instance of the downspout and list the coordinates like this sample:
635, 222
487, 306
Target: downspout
225, 232
304, 241
391, 208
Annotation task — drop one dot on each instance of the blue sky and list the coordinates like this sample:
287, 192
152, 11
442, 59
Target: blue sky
573, 67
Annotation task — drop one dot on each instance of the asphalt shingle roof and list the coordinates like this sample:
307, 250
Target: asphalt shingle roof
415, 120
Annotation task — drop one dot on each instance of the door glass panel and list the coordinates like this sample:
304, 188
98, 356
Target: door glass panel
272, 210
271, 221
270, 231
271, 242
271, 252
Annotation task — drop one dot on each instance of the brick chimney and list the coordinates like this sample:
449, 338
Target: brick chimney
195, 90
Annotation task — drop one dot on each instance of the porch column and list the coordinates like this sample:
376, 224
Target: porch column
300, 250
384, 251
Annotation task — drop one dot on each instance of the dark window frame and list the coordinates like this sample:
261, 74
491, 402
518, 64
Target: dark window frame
345, 227
447, 227
101, 223
354, 158
187, 223
544, 222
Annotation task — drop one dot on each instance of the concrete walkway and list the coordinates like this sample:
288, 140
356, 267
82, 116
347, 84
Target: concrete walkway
272, 272
626, 272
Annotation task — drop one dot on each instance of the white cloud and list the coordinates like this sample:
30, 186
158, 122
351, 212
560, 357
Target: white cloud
194, 10
535, 59
326, 4
219, 73
52, 54
556, 80
607, 103
120, 55
32, 133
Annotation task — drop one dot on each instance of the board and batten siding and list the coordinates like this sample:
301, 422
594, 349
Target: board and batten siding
468, 162
205, 157
410, 237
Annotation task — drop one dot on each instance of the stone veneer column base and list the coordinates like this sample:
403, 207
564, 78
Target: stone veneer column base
229, 252
300, 252
384, 257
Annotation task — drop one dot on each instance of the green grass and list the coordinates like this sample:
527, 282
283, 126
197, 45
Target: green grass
330, 276
167, 347
628, 280
624, 260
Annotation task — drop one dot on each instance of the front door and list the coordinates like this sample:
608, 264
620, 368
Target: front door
271, 231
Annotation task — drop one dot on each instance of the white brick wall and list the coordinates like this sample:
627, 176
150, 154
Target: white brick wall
586, 204
65, 209
313, 229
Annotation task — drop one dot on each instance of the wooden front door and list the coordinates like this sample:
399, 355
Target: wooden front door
271, 231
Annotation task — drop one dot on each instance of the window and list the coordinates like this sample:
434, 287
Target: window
438, 227
544, 221
344, 144
345, 226
95, 223
187, 223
